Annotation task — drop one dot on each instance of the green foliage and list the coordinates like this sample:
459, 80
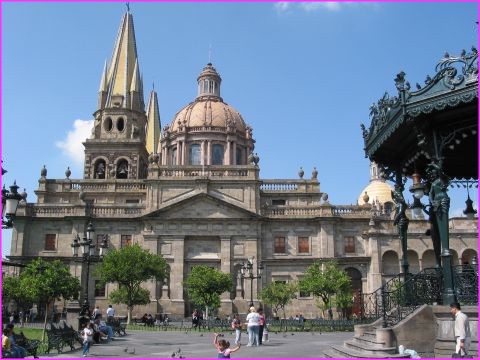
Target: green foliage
46, 281
129, 267
278, 294
11, 291
204, 285
327, 282
119, 296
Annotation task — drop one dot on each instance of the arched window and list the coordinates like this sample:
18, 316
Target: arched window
108, 124
239, 156
413, 263
173, 159
99, 170
217, 154
194, 155
390, 263
122, 169
120, 124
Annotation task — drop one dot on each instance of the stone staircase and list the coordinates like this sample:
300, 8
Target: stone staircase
365, 345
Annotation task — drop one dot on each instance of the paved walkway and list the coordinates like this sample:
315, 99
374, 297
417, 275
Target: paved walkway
162, 344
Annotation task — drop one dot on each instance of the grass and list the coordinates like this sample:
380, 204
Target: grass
30, 333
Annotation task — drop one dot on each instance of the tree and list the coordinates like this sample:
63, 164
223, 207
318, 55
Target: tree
278, 295
324, 280
129, 267
205, 284
11, 291
47, 281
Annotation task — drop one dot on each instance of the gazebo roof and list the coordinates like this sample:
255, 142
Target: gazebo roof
438, 120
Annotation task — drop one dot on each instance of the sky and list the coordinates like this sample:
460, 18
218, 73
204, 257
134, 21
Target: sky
302, 74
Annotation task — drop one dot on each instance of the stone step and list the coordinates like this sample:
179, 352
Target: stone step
368, 341
369, 348
370, 335
343, 352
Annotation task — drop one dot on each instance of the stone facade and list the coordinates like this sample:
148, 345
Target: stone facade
198, 199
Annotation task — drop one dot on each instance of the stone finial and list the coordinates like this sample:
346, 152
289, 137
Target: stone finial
68, 172
365, 197
43, 172
314, 173
24, 194
256, 159
301, 173
250, 158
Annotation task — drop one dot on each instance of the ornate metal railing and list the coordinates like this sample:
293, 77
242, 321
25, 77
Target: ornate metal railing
465, 280
398, 298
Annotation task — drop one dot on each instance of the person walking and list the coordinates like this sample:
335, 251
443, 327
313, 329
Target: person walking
261, 325
461, 331
237, 327
253, 319
87, 334
223, 347
110, 312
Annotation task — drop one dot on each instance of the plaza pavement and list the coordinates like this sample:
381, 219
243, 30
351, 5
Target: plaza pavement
162, 344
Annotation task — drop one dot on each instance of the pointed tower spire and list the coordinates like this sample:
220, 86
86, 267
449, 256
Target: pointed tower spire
103, 90
121, 72
153, 123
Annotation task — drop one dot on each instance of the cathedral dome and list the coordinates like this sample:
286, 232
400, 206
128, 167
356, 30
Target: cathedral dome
208, 110
377, 190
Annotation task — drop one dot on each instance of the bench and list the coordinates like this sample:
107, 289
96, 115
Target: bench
60, 336
31, 346
117, 326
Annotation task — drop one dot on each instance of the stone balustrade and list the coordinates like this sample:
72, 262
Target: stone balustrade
99, 211
316, 211
198, 171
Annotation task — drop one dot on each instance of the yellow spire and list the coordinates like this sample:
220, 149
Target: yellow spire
153, 123
103, 81
123, 66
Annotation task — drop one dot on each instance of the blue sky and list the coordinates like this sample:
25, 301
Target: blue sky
303, 75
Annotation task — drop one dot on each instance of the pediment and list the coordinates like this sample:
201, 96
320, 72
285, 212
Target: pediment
203, 206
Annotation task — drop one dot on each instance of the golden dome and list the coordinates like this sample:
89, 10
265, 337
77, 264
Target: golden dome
378, 191
208, 112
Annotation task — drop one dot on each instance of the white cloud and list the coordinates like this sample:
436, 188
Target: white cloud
72, 146
314, 6
282, 6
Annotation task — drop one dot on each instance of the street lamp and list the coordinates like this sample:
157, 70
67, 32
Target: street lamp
418, 190
87, 256
247, 273
10, 200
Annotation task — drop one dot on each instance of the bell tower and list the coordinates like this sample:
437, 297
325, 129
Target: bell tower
116, 148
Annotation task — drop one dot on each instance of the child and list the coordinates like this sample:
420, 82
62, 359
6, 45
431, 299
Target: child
237, 326
223, 347
87, 334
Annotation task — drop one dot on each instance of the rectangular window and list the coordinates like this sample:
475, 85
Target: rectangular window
132, 201
349, 244
126, 240
99, 289
50, 242
276, 202
280, 245
303, 245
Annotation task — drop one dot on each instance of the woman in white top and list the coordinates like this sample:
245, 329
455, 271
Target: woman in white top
253, 326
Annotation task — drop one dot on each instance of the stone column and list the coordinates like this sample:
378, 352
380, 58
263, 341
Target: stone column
209, 152
177, 303
374, 277
234, 153
225, 267
227, 158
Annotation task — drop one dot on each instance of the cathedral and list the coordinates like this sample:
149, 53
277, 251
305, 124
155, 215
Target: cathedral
191, 192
